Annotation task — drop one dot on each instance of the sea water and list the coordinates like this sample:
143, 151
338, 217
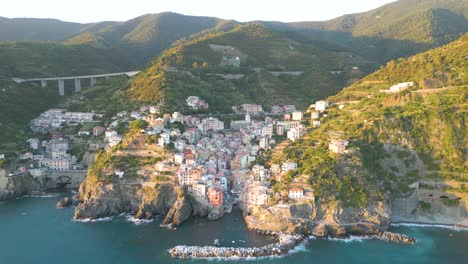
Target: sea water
33, 230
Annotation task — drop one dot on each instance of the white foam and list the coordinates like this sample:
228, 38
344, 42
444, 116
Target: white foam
451, 227
45, 195
137, 221
351, 239
85, 220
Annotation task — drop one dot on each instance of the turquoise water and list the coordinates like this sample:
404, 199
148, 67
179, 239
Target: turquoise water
34, 231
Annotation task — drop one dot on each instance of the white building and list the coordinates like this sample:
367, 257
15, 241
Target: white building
287, 166
257, 196
57, 164
293, 134
264, 143
180, 145
338, 146
200, 189
154, 109
120, 173
315, 123
296, 193
177, 117
401, 86
212, 123
179, 158
297, 116
111, 133
34, 143
314, 115
164, 139
192, 101
267, 131
321, 105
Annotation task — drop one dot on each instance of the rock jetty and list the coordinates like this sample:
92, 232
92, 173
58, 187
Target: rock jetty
285, 244
395, 237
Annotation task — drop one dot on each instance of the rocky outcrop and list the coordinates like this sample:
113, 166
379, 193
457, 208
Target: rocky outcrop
285, 244
180, 212
17, 186
166, 199
64, 202
100, 200
320, 220
394, 237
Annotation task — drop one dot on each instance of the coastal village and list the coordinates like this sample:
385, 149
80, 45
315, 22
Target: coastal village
216, 161
219, 161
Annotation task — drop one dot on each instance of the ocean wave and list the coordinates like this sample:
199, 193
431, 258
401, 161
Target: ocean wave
351, 239
89, 220
451, 227
138, 221
44, 195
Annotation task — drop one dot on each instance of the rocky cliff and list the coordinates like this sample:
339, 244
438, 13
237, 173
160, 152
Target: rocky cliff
320, 219
17, 186
98, 200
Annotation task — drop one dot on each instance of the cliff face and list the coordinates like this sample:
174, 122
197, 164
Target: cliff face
99, 200
320, 220
144, 202
13, 187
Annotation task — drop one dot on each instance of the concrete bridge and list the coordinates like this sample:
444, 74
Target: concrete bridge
61, 80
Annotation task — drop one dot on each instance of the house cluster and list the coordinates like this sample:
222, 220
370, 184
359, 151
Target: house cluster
53, 119
214, 161
282, 109
247, 108
195, 103
48, 155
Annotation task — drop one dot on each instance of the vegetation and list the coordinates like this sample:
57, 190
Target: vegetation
173, 76
395, 30
424, 122
138, 124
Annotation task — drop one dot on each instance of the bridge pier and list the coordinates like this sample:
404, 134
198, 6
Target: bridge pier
43, 83
77, 85
93, 81
61, 84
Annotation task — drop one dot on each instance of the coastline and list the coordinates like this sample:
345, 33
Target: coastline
286, 244
432, 224
435, 220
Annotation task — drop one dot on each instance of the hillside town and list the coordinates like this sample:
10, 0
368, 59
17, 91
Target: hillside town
216, 160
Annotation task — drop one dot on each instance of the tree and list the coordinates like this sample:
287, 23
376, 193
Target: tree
195, 65
205, 65
139, 124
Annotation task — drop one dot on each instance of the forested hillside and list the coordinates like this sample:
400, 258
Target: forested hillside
396, 138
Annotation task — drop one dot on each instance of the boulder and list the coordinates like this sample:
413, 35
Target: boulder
64, 202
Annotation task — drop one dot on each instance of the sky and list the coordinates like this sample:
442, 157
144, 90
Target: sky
85, 11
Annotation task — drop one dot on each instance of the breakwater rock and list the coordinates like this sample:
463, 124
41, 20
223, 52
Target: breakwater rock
395, 237
285, 244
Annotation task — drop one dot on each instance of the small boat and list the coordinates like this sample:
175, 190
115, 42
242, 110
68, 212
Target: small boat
217, 243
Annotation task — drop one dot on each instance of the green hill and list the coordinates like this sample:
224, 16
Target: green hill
395, 139
146, 36
201, 67
35, 29
398, 29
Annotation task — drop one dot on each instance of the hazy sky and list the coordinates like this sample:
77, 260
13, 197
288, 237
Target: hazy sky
241, 10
